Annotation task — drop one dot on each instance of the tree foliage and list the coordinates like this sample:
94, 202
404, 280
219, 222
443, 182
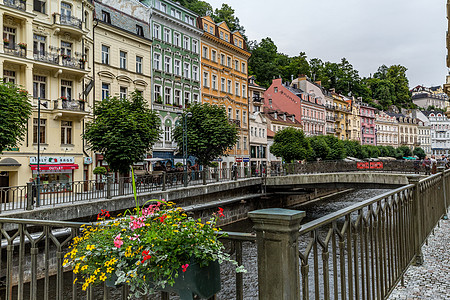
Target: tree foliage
15, 109
209, 133
123, 130
291, 144
419, 152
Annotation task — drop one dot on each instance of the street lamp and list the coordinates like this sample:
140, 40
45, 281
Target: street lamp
184, 124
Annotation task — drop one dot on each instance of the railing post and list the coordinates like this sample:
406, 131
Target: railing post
417, 211
204, 176
277, 232
444, 191
30, 196
108, 186
164, 178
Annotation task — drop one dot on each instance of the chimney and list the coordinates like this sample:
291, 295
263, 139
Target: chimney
301, 77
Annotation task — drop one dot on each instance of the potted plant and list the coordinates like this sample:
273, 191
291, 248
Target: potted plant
158, 99
63, 98
100, 185
65, 56
159, 247
22, 45
5, 42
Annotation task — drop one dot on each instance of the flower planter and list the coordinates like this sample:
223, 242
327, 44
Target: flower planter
201, 281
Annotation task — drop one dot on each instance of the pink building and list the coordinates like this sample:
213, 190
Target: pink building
368, 127
307, 108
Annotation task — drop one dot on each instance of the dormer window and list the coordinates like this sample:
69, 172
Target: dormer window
284, 117
293, 119
275, 115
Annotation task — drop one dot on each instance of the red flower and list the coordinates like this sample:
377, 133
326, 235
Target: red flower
162, 218
184, 267
220, 212
145, 255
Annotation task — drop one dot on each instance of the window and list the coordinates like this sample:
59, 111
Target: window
66, 132
167, 64
205, 27
226, 37
42, 130
139, 30
186, 43
238, 143
195, 72
244, 91
195, 97
176, 39
105, 91
178, 14
240, 44
39, 6
177, 97
123, 60
168, 95
167, 135
222, 59
167, 35
245, 143
9, 76
39, 86
205, 79
229, 86
66, 89
9, 33
238, 115
106, 17
187, 97
214, 82
211, 30
237, 89
163, 7
244, 117
38, 44
213, 55
156, 31
243, 68
66, 11
222, 84
105, 55
205, 52
187, 70
158, 93
230, 111
194, 46
221, 35
229, 61
177, 67
157, 61
66, 50
236, 65
123, 92
139, 64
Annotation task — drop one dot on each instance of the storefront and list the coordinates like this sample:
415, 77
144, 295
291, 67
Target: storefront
56, 173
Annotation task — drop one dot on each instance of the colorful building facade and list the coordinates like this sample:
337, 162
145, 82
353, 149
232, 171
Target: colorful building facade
368, 126
224, 59
258, 126
342, 115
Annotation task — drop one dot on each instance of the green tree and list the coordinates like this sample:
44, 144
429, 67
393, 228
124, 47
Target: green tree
202, 8
293, 66
15, 109
123, 130
226, 14
403, 151
352, 148
262, 62
291, 144
209, 132
419, 152
320, 147
337, 148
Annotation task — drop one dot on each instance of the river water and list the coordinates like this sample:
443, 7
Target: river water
313, 211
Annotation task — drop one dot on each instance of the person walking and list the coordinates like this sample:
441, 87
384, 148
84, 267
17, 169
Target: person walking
433, 164
427, 165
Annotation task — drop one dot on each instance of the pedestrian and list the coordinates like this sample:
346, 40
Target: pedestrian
234, 171
33, 190
433, 164
427, 165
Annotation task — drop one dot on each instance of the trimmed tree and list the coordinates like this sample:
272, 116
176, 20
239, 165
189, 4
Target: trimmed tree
15, 110
123, 130
320, 148
291, 144
419, 152
209, 132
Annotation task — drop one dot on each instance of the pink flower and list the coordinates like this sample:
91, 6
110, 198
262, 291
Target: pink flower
135, 237
184, 267
118, 241
136, 223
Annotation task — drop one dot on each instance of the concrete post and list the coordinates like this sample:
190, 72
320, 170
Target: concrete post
444, 191
108, 186
417, 209
277, 232
29, 196
204, 176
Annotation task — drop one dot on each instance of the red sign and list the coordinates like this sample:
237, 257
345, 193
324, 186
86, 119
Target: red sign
238, 159
370, 165
55, 167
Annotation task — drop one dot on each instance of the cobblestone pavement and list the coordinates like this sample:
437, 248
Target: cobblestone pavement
432, 280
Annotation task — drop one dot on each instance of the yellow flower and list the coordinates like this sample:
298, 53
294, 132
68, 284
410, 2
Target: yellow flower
85, 286
65, 262
109, 270
103, 277
90, 247
84, 267
76, 279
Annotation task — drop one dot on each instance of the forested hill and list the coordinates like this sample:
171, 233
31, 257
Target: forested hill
388, 85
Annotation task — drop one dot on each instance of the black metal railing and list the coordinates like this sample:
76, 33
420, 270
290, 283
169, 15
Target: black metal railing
14, 49
46, 57
17, 4
75, 105
72, 62
71, 21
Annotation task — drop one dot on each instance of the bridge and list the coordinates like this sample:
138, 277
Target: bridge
359, 252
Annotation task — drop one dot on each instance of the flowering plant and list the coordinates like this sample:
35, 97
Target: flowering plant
22, 45
5, 41
64, 98
146, 250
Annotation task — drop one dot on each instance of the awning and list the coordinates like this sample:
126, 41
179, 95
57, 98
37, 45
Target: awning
153, 159
9, 162
55, 167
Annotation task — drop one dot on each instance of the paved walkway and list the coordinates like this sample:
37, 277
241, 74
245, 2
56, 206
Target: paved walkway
432, 280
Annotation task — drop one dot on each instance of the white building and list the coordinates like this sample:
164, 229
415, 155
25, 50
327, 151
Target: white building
440, 132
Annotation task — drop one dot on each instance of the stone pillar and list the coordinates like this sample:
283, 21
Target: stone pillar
417, 209
29, 38
277, 232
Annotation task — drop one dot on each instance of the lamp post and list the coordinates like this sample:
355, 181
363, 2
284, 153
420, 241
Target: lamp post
184, 124
38, 179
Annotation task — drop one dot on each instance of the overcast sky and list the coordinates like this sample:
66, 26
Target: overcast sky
368, 33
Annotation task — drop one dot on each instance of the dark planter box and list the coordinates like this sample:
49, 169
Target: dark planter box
203, 282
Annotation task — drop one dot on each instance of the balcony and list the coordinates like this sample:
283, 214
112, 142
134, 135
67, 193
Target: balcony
46, 57
332, 119
68, 24
69, 108
70, 21
167, 107
13, 49
331, 130
257, 99
17, 4
72, 63
237, 122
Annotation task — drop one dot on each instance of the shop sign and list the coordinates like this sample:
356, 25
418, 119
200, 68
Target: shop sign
369, 165
56, 167
54, 160
88, 160
238, 159
14, 149
246, 159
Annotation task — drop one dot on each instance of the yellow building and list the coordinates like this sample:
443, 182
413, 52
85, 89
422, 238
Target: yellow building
122, 52
224, 59
355, 120
342, 115
47, 49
